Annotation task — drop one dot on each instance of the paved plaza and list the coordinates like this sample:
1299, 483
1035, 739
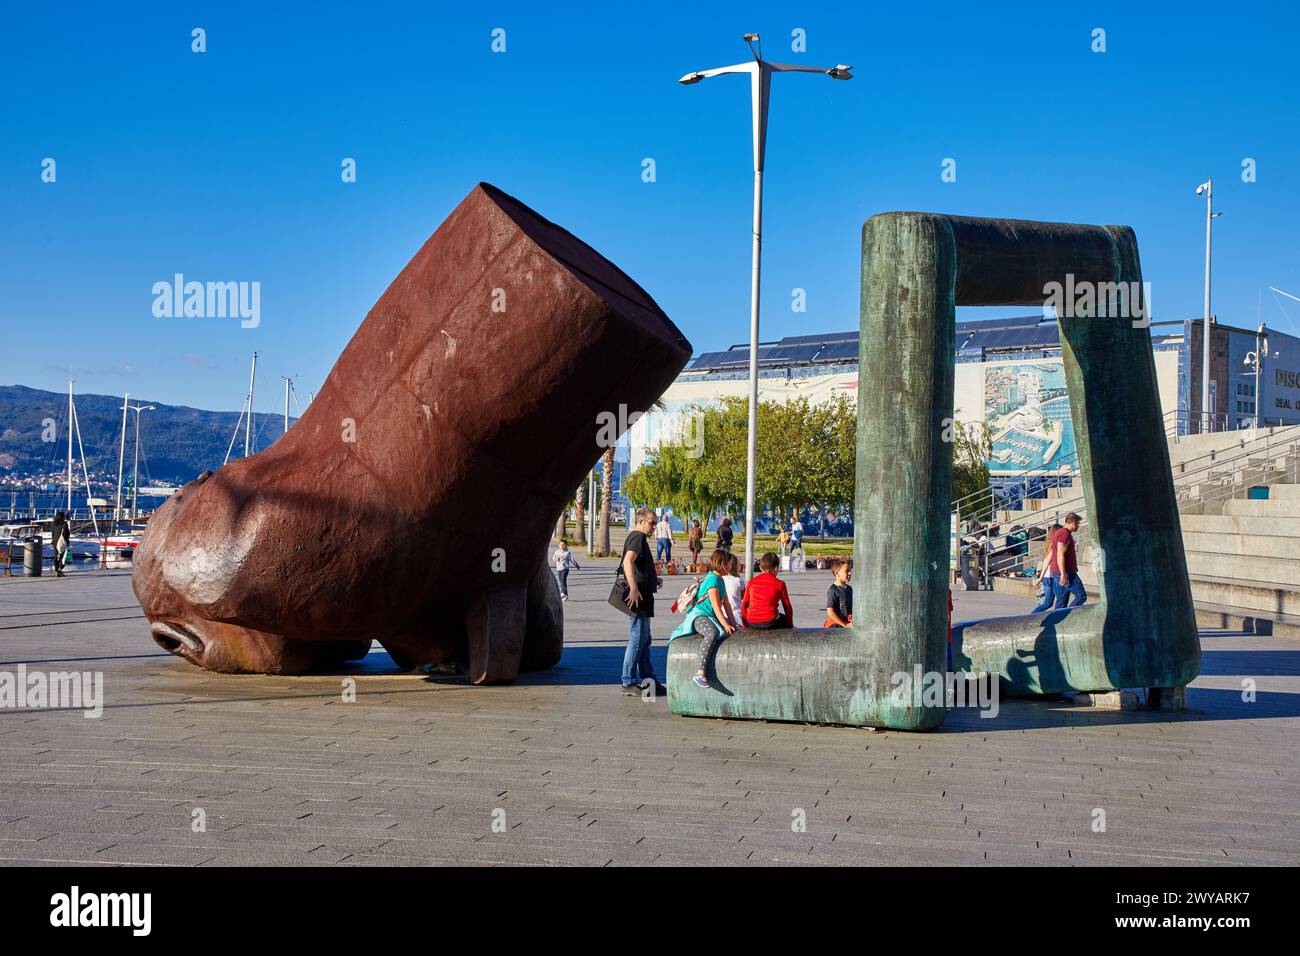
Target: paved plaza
562, 768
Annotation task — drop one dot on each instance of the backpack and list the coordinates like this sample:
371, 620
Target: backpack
689, 597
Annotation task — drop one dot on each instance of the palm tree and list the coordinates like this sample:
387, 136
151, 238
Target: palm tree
579, 517
606, 493
607, 488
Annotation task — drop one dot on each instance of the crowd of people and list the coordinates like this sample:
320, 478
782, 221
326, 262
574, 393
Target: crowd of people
714, 606
720, 603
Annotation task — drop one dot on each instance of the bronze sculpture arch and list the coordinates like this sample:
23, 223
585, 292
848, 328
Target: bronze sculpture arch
916, 268
413, 502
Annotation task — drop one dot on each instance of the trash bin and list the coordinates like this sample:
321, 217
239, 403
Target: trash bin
32, 558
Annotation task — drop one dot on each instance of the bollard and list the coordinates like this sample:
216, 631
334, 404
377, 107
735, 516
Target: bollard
32, 558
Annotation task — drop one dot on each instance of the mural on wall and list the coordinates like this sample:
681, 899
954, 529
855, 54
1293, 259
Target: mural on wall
1027, 413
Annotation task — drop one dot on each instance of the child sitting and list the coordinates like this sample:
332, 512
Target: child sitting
710, 616
839, 596
759, 608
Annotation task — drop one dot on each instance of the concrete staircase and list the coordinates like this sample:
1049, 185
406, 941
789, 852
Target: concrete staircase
1243, 552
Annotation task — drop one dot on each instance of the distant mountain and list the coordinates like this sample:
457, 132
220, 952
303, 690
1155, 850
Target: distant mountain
176, 442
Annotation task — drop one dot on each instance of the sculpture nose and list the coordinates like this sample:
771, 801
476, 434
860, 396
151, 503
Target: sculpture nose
177, 639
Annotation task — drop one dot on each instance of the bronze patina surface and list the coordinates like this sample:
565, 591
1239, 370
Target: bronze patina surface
916, 268
413, 502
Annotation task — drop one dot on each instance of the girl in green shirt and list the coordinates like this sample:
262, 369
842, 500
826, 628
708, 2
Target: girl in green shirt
710, 616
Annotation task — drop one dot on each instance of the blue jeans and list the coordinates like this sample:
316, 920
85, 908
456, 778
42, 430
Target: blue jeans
636, 660
663, 549
1049, 594
1074, 588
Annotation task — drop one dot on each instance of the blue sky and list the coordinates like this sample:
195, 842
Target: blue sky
225, 165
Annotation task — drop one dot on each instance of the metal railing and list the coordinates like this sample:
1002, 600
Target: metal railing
1254, 463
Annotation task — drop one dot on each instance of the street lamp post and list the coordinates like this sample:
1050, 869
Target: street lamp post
1207, 415
1255, 363
760, 76
135, 480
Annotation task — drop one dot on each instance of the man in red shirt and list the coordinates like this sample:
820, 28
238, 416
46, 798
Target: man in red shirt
759, 606
1066, 565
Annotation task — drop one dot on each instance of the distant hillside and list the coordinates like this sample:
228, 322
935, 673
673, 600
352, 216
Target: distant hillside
177, 442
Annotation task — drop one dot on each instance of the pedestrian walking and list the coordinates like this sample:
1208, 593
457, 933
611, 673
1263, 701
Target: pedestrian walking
61, 538
561, 562
663, 539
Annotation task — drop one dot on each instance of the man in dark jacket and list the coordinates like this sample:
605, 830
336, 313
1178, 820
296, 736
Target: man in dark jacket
642, 582
61, 538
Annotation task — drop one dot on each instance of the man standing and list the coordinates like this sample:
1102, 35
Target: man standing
642, 582
663, 539
1067, 566
61, 540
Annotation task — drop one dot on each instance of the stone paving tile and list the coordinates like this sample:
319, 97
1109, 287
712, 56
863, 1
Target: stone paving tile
412, 772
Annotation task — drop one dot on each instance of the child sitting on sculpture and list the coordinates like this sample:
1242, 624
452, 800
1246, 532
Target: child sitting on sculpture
839, 596
766, 604
710, 614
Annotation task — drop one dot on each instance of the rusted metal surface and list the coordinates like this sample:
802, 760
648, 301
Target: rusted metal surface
413, 502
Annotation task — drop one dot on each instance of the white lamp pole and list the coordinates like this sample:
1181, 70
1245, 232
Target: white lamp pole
760, 76
135, 480
1207, 414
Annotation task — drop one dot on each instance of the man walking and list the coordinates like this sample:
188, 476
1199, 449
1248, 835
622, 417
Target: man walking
642, 582
1068, 582
663, 539
61, 539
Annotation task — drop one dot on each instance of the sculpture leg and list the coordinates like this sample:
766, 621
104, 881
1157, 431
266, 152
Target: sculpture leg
544, 627
496, 623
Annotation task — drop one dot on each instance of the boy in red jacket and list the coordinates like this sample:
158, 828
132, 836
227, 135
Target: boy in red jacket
766, 598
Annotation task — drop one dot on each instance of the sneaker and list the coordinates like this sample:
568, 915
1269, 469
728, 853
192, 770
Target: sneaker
631, 690
700, 681
661, 690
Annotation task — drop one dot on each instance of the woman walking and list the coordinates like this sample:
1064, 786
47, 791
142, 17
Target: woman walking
695, 541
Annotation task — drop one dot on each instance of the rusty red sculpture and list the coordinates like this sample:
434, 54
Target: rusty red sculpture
413, 502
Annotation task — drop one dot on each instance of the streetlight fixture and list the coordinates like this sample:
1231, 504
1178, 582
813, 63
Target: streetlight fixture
135, 480
760, 77
1207, 420
1254, 362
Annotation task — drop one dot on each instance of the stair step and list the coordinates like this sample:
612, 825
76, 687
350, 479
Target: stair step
1268, 600
1271, 508
1273, 572
1250, 525
1232, 544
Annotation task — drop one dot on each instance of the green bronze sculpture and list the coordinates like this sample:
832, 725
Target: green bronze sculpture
916, 268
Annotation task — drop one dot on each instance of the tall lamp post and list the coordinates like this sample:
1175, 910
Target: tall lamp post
135, 480
760, 78
1207, 415
1254, 363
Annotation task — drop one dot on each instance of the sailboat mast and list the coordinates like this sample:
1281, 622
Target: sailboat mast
248, 423
121, 458
69, 449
